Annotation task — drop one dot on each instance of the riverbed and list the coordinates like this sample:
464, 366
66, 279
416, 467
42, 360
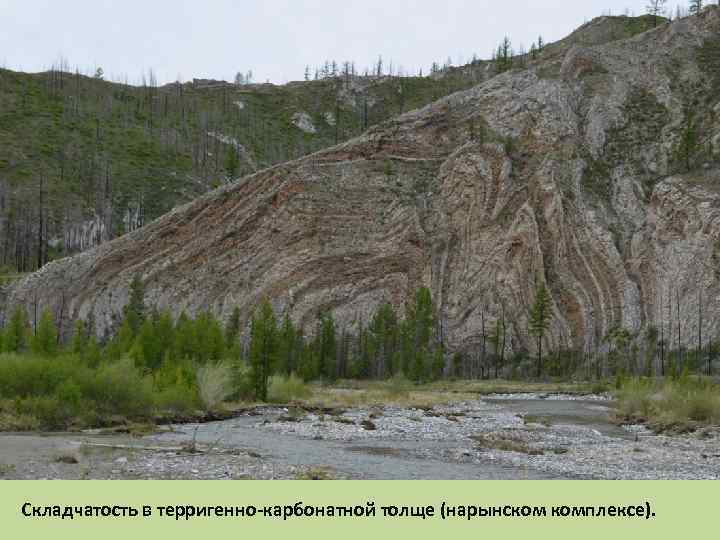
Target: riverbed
521, 436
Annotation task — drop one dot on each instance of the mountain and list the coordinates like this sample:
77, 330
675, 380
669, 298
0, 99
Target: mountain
591, 169
83, 160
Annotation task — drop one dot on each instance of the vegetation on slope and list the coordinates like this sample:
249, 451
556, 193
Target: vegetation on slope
83, 160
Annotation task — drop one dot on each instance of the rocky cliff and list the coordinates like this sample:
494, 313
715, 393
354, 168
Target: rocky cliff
592, 169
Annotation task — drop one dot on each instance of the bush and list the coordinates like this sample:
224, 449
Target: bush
398, 386
670, 404
177, 399
214, 383
120, 389
47, 410
34, 375
62, 391
284, 389
242, 382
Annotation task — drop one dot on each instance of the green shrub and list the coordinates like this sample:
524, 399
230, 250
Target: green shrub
243, 388
666, 403
177, 399
214, 382
284, 389
47, 410
120, 389
34, 375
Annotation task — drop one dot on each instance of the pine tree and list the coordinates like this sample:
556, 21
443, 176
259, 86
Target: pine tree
327, 350
422, 317
361, 368
147, 352
540, 321
45, 339
288, 343
80, 337
232, 329
383, 340
263, 348
165, 330
134, 311
185, 338
16, 331
209, 339
438, 363
306, 362
92, 355
419, 366
232, 163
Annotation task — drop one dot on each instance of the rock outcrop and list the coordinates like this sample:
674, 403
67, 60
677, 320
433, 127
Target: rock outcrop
565, 172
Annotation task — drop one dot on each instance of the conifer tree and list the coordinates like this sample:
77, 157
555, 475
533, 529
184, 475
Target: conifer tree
232, 163
263, 348
185, 338
209, 338
504, 56
165, 330
92, 355
327, 348
44, 341
540, 321
16, 331
122, 343
383, 337
147, 352
419, 365
306, 369
232, 329
362, 362
80, 337
288, 342
135, 308
420, 321
438, 363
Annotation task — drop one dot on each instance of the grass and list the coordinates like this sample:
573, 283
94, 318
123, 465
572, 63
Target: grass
315, 473
283, 389
505, 443
665, 405
535, 419
401, 392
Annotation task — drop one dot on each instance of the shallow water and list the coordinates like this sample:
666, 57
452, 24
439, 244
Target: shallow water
591, 414
387, 459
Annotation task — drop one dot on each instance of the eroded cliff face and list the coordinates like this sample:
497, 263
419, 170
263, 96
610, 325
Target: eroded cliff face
565, 172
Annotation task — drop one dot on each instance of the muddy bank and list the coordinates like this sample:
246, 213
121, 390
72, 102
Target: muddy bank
499, 437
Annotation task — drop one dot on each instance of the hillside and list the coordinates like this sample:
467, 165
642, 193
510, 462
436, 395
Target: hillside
591, 169
84, 160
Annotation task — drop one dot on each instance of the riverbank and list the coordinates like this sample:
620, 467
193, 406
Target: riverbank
516, 436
